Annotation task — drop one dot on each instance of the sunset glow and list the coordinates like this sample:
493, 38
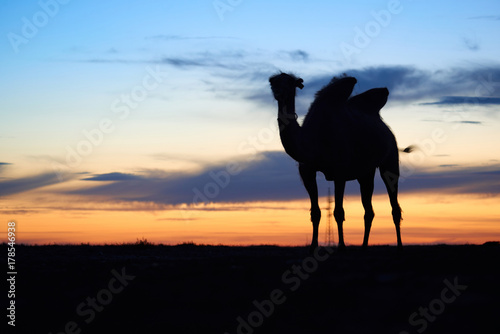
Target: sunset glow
447, 219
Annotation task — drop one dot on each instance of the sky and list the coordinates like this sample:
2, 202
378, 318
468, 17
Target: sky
154, 119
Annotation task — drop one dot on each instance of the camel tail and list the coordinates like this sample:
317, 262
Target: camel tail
408, 149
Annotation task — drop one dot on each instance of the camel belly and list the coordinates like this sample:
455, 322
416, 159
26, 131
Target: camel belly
351, 170
336, 172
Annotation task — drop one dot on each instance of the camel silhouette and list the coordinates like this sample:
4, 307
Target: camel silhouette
345, 139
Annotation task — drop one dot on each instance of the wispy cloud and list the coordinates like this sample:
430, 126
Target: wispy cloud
3, 165
468, 122
477, 180
271, 177
15, 186
112, 61
486, 17
458, 122
113, 177
245, 74
18, 212
237, 64
207, 61
471, 43
298, 55
470, 100
166, 37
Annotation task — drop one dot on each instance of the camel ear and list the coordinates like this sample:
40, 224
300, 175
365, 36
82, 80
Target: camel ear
299, 83
371, 101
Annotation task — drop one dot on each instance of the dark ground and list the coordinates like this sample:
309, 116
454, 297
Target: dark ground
212, 289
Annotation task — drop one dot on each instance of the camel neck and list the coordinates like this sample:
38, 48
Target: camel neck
286, 114
290, 130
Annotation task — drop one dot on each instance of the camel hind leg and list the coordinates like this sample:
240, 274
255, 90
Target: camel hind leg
366, 186
338, 211
390, 176
308, 176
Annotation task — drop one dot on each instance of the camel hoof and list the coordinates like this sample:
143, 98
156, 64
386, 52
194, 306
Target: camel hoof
341, 247
312, 248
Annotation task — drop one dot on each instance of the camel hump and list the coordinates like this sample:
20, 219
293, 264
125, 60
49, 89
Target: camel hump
337, 91
369, 102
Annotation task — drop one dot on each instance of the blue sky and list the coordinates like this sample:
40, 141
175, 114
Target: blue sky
211, 101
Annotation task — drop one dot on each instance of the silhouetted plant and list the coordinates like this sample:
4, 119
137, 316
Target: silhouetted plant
143, 243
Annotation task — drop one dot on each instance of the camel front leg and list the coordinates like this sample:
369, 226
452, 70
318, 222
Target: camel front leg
338, 211
308, 176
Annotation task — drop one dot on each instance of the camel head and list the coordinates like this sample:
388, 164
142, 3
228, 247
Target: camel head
284, 85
